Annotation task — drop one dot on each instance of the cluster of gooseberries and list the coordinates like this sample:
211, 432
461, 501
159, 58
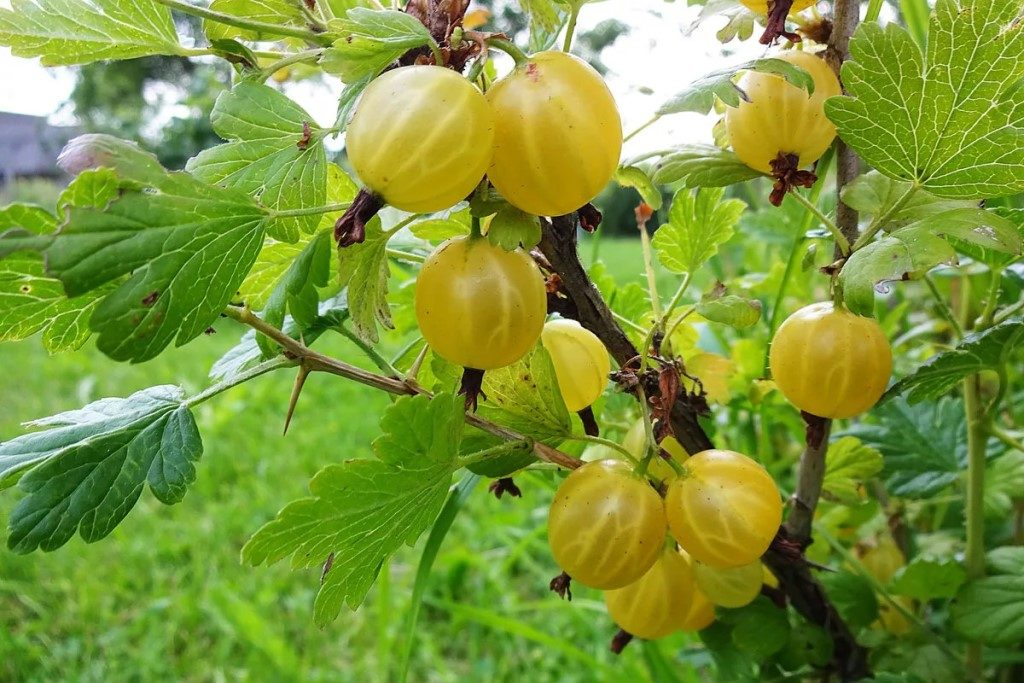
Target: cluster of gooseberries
666, 539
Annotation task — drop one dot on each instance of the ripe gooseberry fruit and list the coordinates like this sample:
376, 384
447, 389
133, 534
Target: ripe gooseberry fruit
557, 137
606, 526
732, 587
761, 6
421, 138
658, 603
780, 118
702, 610
478, 305
580, 360
830, 363
725, 510
635, 442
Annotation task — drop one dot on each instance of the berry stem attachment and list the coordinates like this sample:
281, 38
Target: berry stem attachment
570, 27
509, 48
841, 242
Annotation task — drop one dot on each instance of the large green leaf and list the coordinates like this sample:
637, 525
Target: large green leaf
991, 609
31, 301
370, 41
924, 445
701, 166
74, 32
929, 579
281, 12
848, 465
905, 254
987, 350
544, 19
275, 154
720, 84
698, 223
525, 397
364, 270
362, 511
954, 121
875, 194
185, 245
88, 468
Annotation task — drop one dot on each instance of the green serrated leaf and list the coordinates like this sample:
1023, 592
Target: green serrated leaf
370, 41
913, 118
545, 21
236, 53
853, 597
525, 397
876, 194
984, 229
924, 445
281, 12
1004, 482
186, 247
993, 258
730, 309
87, 469
32, 302
701, 166
720, 84
275, 153
364, 270
698, 223
61, 32
637, 178
512, 227
905, 254
987, 350
362, 511
991, 610
929, 579
760, 629
442, 226
848, 465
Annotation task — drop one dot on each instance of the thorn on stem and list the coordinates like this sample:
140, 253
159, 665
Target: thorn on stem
562, 585
500, 487
300, 381
620, 640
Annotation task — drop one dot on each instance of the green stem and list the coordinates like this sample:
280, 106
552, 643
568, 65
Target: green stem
570, 27
308, 211
261, 369
879, 221
288, 60
1008, 312
644, 126
944, 308
652, 285
495, 452
404, 255
622, 320
435, 51
380, 361
1007, 438
977, 436
991, 299
874, 9
474, 228
604, 442
837, 234
509, 48
209, 52
248, 24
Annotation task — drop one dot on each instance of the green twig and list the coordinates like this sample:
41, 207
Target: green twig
991, 299
944, 308
380, 361
641, 128
570, 27
247, 24
837, 234
288, 60
509, 48
242, 377
881, 220
495, 452
977, 436
1007, 438
404, 255
604, 442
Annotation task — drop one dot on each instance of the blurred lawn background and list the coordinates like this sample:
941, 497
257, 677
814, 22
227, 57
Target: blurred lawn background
166, 598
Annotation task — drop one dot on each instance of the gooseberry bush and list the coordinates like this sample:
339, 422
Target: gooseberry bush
808, 457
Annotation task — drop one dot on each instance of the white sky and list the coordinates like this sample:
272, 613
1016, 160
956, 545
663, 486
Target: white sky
655, 55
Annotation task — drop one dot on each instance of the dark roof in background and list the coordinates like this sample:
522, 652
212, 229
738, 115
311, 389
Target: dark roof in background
29, 145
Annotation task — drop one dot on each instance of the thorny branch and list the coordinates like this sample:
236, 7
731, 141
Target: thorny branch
785, 557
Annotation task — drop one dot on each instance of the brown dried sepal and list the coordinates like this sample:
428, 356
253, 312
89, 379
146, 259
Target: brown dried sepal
818, 30
775, 28
500, 487
472, 387
562, 585
620, 640
787, 174
351, 227
590, 218
590, 427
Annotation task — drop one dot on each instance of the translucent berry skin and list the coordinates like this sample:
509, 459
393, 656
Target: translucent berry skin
657, 604
581, 362
778, 117
478, 305
830, 363
725, 511
606, 526
421, 137
552, 155
733, 587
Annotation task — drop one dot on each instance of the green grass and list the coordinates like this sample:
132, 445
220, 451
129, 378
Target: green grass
165, 597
